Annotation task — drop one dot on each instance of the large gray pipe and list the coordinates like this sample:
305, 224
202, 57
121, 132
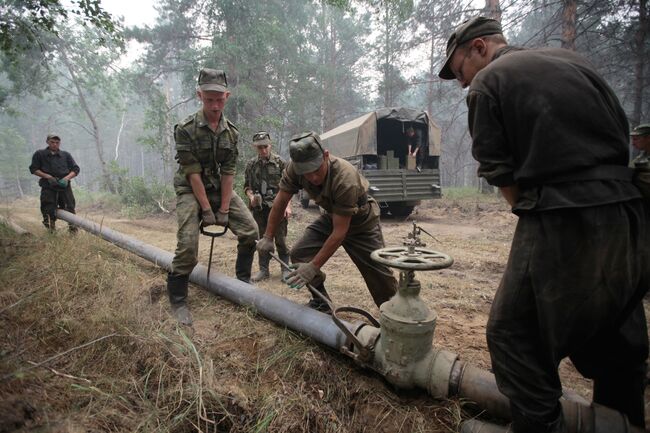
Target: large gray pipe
464, 380
280, 310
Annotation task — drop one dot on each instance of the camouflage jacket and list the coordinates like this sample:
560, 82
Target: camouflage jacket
201, 150
258, 170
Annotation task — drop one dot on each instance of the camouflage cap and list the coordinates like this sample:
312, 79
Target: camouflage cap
643, 129
213, 80
306, 152
468, 30
262, 138
50, 136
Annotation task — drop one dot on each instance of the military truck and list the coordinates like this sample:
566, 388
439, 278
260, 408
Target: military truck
377, 143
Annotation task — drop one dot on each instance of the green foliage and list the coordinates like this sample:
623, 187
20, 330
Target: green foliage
142, 197
26, 23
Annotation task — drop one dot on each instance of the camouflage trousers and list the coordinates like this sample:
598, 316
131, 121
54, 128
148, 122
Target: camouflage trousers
379, 279
188, 211
261, 218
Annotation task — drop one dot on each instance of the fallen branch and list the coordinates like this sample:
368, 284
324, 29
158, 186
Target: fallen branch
13, 226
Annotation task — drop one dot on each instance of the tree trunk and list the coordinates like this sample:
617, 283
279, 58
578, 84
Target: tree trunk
493, 9
569, 19
108, 182
641, 59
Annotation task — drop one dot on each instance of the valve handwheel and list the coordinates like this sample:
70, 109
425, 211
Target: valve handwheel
411, 258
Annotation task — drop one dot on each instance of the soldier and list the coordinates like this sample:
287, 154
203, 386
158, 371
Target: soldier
261, 185
206, 151
350, 219
56, 168
641, 140
551, 134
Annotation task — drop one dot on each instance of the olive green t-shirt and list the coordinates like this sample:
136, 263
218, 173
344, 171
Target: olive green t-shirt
343, 192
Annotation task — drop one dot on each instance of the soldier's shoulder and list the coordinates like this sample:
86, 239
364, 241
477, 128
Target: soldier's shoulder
186, 121
233, 128
251, 162
277, 158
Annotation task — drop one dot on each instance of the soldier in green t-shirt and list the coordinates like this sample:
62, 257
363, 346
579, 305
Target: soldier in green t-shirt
261, 185
206, 151
350, 219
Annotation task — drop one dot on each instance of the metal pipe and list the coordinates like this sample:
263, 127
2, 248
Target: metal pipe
439, 371
300, 318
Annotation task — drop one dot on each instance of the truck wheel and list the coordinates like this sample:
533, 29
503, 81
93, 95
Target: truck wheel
400, 210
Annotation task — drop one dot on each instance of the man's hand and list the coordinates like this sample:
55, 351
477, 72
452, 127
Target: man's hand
222, 218
265, 245
208, 218
256, 201
303, 274
53, 181
287, 212
63, 182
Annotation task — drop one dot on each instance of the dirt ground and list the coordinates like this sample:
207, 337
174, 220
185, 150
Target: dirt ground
475, 232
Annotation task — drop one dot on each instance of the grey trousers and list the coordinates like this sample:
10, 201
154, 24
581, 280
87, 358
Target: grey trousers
573, 287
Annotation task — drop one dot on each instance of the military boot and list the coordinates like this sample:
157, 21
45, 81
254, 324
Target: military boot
317, 303
177, 289
263, 273
285, 271
243, 265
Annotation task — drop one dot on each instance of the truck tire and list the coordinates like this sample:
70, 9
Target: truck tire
397, 210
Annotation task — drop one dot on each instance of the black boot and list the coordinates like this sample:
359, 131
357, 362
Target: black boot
177, 290
319, 304
263, 273
243, 265
285, 271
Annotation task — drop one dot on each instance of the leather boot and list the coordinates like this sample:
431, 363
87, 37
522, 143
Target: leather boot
177, 290
317, 303
263, 273
285, 271
243, 265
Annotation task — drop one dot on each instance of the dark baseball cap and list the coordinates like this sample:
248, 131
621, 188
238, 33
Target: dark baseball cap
643, 129
262, 138
306, 152
50, 136
468, 30
213, 80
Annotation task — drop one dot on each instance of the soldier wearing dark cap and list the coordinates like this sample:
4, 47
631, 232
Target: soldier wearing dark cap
261, 185
56, 168
551, 134
206, 151
350, 219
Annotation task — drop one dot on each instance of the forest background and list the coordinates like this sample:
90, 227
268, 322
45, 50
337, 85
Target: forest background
292, 65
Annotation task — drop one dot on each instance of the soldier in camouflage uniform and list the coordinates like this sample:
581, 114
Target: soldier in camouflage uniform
641, 140
350, 219
261, 185
206, 151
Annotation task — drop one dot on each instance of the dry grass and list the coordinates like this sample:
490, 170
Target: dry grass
89, 346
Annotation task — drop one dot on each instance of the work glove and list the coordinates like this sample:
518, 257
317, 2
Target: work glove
303, 274
208, 218
63, 183
53, 181
265, 246
222, 218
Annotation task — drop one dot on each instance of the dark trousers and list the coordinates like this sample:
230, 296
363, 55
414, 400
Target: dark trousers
573, 287
53, 199
379, 279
